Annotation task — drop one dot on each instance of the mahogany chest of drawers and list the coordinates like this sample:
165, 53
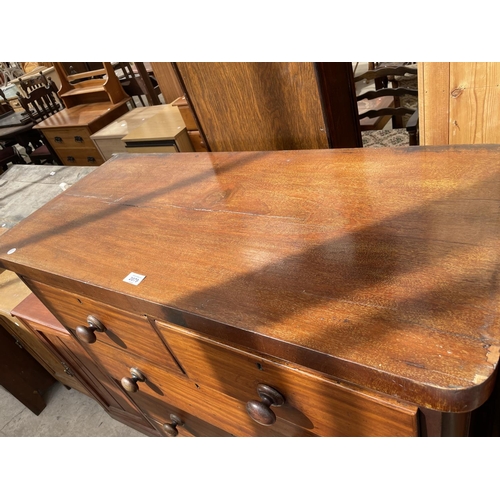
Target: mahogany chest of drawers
286, 293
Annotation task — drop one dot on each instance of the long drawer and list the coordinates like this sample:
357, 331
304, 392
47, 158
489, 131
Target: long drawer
162, 390
125, 331
80, 157
71, 138
316, 404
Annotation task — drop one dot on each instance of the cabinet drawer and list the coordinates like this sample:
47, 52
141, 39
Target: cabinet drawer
162, 391
80, 157
319, 405
73, 138
126, 331
185, 424
152, 149
108, 147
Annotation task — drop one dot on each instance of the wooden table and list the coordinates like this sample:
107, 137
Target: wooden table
12, 119
342, 278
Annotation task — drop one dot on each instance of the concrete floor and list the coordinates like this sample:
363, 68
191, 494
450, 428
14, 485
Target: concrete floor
68, 413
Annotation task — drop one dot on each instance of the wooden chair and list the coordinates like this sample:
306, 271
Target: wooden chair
5, 106
5, 110
40, 103
29, 84
134, 84
373, 98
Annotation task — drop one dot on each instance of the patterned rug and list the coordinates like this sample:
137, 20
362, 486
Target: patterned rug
385, 138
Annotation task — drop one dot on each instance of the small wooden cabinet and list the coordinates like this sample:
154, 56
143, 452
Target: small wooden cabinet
283, 293
69, 131
149, 129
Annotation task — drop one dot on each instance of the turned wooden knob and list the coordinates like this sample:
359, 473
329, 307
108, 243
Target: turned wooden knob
171, 428
260, 411
130, 383
86, 333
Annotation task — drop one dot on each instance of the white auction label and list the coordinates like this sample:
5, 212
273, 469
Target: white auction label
134, 278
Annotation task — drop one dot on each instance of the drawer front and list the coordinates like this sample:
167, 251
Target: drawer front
108, 147
80, 157
126, 331
163, 392
321, 406
71, 138
185, 424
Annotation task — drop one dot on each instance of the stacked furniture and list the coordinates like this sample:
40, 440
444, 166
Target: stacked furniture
93, 99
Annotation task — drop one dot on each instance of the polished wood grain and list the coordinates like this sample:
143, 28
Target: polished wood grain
375, 267
27, 331
82, 373
163, 390
191, 425
91, 116
256, 106
324, 407
121, 329
14, 292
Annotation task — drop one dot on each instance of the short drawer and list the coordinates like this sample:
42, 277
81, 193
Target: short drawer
317, 404
123, 330
73, 138
160, 392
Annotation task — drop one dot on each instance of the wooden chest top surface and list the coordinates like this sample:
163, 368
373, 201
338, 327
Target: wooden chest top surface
379, 266
79, 116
